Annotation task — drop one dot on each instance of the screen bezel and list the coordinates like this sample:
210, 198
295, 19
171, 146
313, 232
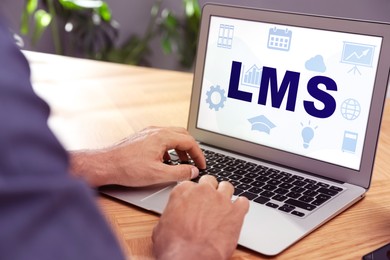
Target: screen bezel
359, 177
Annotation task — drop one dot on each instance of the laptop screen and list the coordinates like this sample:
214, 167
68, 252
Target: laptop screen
301, 90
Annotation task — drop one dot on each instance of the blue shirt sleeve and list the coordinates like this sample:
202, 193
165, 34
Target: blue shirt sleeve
44, 212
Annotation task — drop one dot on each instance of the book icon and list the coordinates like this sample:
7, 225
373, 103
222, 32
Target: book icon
279, 39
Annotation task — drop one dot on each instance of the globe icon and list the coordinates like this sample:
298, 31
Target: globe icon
350, 109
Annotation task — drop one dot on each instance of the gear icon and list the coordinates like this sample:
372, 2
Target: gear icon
218, 91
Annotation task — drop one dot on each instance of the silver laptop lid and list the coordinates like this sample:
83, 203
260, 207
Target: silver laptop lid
298, 90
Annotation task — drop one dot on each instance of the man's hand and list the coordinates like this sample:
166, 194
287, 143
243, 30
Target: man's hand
200, 221
138, 160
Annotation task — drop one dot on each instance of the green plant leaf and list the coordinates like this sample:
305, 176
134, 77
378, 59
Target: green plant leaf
166, 45
191, 7
42, 21
31, 6
105, 12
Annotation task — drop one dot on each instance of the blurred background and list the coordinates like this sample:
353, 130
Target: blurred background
156, 33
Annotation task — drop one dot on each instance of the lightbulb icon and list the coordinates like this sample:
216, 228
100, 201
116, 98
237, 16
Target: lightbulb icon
307, 135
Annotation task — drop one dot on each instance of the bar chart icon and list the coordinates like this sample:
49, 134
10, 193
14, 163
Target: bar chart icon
252, 77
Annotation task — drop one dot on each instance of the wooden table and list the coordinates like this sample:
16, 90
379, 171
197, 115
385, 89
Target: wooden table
95, 103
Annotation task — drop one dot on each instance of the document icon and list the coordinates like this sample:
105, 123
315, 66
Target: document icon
279, 39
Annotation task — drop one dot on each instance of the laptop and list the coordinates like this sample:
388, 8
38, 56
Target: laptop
288, 108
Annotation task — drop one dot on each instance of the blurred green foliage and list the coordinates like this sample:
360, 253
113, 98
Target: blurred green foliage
92, 32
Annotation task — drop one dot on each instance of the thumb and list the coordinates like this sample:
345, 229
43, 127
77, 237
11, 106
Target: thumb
180, 172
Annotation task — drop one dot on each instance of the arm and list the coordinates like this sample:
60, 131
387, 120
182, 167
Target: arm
138, 160
45, 213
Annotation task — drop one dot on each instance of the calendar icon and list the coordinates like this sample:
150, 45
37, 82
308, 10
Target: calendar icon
279, 39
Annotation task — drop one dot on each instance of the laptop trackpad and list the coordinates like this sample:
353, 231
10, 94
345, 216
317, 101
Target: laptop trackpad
153, 198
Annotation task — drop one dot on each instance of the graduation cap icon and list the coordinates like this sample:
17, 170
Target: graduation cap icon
261, 124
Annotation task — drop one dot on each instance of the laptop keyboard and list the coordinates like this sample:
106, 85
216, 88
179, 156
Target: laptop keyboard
281, 190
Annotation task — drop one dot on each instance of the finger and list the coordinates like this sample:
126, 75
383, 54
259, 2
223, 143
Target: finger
180, 172
186, 143
242, 205
226, 188
209, 180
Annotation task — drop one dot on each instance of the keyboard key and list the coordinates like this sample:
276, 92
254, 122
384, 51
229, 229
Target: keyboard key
318, 202
240, 172
230, 169
249, 195
267, 194
323, 197
276, 176
272, 205
310, 181
300, 178
273, 170
224, 173
306, 198
336, 188
298, 189
297, 213
286, 186
237, 192
327, 191
251, 175
288, 179
213, 170
285, 174
312, 187
323, 184
255, 190
262, 178
299, 183
310, 193
240, 166
234, 183
261, 168
235, 177
293, 195
246, 180
279, 197
286, 208
257, 183
281, 191
300, 204
221, 178
269, 187
219, 166
274, 182
261, 200
244, 186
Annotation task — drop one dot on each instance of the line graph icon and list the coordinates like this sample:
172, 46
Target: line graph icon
357, 54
